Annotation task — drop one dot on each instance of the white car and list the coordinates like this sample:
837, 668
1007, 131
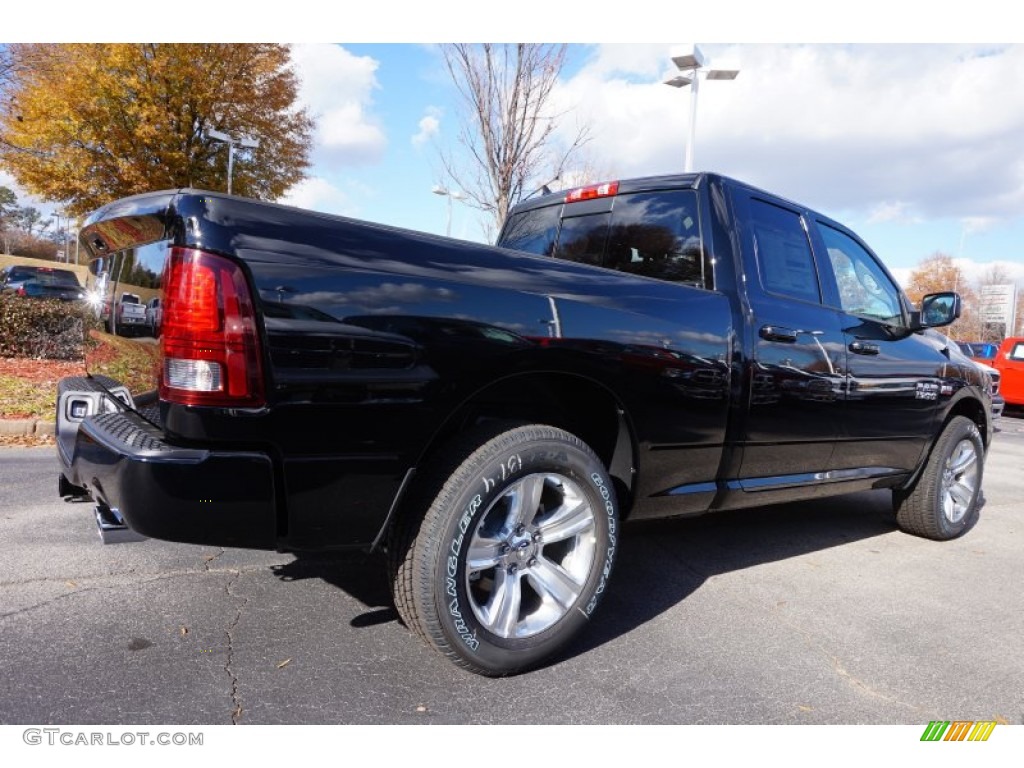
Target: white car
154, 316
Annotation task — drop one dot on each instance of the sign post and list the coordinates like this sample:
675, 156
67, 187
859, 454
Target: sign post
999, 306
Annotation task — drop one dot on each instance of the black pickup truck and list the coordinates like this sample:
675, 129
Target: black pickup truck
489, 415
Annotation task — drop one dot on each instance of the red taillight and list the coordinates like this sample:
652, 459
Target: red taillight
21, 290
209, 345
608, 189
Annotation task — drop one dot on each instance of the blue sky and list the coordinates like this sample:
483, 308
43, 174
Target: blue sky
916, 147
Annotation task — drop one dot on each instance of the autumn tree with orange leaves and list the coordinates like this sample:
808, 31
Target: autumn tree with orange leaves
938, 273
85, 124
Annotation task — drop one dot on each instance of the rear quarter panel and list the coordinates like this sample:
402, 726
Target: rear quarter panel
375, 338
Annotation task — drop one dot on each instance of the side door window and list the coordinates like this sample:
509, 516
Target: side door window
864, 288
784, 259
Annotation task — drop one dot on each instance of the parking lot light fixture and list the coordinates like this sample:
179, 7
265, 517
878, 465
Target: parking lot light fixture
445, 192
690, 62
245, 142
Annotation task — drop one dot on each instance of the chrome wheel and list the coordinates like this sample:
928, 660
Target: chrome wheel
530, 555
959, 481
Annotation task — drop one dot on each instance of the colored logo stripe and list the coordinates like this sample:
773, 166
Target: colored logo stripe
935, 730
982, 730
958, 730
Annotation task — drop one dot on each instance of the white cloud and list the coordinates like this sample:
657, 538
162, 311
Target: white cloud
842, 128
629, 59
429, 125
337, 89
973, 271
319, 194
896, 210
977, 224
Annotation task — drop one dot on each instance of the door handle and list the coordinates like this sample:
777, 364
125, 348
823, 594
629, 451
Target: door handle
778, 333
863, 348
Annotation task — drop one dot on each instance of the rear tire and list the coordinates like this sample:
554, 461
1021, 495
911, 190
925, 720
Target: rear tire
513, 552
944, 501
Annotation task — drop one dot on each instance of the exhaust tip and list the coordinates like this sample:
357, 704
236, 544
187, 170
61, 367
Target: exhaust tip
112, 528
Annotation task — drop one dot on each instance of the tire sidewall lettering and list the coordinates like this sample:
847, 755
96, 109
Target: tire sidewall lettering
606, 569
465, 634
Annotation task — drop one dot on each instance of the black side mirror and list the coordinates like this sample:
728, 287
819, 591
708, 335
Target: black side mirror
937, 310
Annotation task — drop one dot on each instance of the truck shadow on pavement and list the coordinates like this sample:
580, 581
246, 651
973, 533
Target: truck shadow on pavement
659, 563
360, 575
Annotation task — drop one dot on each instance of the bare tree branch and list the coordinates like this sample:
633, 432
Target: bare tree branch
508, 126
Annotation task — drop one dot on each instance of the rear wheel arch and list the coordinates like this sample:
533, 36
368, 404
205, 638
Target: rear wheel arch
576, 404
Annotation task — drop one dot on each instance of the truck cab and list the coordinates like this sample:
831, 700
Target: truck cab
839, 377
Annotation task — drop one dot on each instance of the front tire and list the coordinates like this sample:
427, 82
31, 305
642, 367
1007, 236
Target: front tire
514, 551
944, 502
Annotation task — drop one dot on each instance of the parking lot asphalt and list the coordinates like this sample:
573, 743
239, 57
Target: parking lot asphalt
817, 612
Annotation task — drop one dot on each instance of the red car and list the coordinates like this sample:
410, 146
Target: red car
1009, 361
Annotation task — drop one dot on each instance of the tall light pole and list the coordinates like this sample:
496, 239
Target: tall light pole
690, 62
444, 192
63, 235
245, 142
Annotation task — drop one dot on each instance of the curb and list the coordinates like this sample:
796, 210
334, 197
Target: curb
26, 427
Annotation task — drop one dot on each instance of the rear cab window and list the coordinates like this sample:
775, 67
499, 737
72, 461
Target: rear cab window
533, 231
654, 233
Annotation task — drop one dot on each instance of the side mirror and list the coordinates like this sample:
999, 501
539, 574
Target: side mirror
937, 310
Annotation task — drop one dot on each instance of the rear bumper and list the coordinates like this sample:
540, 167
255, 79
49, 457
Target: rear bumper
221, 498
